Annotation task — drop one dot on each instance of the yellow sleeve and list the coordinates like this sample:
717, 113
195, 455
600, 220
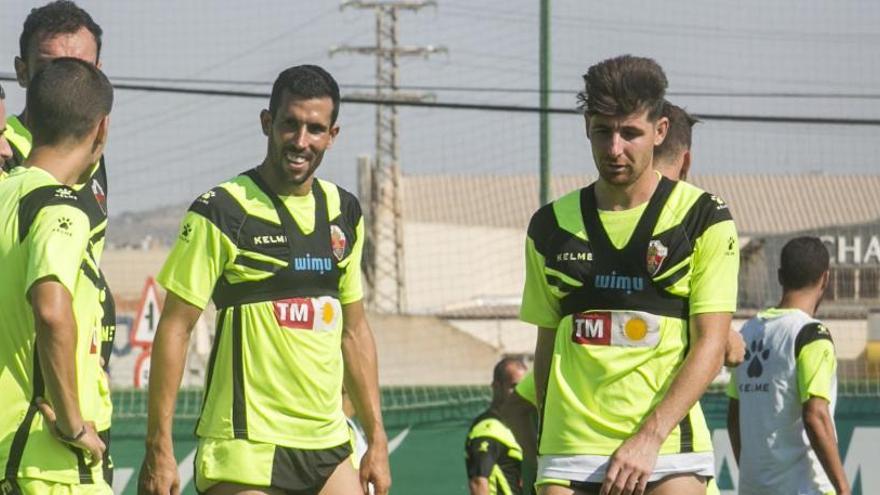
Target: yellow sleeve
526, 388
196, 261
539, 305
350, 285
714, 280
816, 368
56, 245
732, 390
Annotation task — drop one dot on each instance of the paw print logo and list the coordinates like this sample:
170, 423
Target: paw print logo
731, 242
186, 231
756, 353
64, 223
719, 203
206, 197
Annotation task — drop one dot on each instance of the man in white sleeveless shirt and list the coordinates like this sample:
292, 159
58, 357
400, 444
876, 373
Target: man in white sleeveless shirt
780, 417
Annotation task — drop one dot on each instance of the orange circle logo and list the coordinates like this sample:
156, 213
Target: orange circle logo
635, 329
327, 313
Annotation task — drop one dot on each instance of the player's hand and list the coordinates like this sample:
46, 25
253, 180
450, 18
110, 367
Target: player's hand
375, 470
631, 466
159, 474
86, 439
735, 350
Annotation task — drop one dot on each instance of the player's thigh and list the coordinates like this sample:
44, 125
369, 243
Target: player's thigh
344, 480
225, 488
679, 484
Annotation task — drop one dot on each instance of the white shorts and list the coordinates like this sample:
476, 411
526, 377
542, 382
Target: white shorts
591, 468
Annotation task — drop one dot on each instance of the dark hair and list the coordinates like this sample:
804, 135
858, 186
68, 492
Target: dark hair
2, 93
624, 85
305, 82
66, 99
58, 17
499, 373
802, 262
678, 137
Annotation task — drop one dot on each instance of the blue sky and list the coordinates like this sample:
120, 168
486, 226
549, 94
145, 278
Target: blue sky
165, 149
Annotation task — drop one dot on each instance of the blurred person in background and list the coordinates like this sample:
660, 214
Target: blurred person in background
781, 411
493, 457
5, 149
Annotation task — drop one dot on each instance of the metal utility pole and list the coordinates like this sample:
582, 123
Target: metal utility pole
544, 62
385, 272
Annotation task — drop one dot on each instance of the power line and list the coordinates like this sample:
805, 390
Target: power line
367, 100
488, 89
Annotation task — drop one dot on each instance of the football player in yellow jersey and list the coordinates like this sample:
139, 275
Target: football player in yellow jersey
672, 158
5, 149
48, 298
278, 251
632, 283
63, 29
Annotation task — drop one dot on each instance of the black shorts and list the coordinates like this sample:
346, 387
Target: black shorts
294, 471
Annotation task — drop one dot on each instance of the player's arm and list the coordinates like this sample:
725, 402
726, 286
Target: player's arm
361, 374
482, 454
168, 357
733, 430
816, 366
634, 460
518, 411
735, 350
56, 243
362, 383
820, 431
189, 275
478, 485
543, 358
713, 291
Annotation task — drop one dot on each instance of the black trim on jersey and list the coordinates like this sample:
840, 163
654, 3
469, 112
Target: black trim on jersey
263, 266
808, 334
680, 240
705, 212
108, 322
85, 474
30, 204
670, 280
19, 440
686, 430
351, 214
629, 263
107, 461
212, 359
551, 241
222, 210
239, 402
544, 229
97, 236
295, 245
91, 274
